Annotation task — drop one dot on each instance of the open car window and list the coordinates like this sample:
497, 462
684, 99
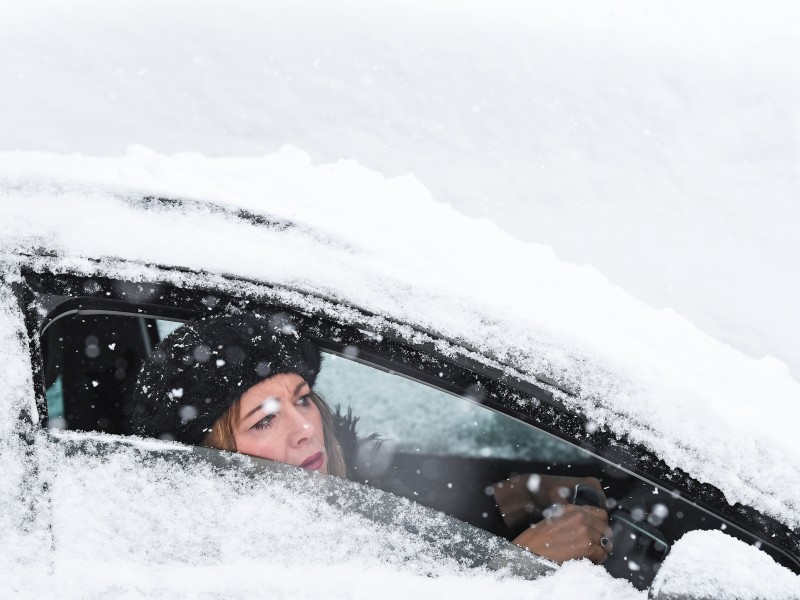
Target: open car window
97, 357
438, 444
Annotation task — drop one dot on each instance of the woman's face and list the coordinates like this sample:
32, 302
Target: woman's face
278, 421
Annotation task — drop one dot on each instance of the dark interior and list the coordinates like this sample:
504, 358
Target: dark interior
97, 358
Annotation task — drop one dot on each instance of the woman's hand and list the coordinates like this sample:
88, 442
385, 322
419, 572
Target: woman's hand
567, 531
554, 489
524, 497
572, 532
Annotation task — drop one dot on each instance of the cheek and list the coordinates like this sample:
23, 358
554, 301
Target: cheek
261, 444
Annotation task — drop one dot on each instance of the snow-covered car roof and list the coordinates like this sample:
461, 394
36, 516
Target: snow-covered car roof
350, 237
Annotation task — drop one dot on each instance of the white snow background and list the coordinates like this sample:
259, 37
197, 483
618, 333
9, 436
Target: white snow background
657, 144
656, 141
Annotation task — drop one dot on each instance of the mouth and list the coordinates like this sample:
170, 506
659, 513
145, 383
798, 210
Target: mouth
313, 462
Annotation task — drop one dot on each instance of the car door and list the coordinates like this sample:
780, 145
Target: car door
112, 494
449, 426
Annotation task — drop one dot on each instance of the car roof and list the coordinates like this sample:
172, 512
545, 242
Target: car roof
340, 236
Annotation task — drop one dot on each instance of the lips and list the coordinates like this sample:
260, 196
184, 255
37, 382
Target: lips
313, 462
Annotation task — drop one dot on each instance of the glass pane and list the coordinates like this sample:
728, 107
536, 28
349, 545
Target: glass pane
419, 418
166, 327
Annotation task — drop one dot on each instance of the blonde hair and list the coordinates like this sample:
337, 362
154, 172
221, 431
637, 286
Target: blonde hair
221, 435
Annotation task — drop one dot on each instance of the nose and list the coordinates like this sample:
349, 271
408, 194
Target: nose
300, 429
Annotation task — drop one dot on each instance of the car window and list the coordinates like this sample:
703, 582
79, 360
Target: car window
421, 418
440, 449
412, 417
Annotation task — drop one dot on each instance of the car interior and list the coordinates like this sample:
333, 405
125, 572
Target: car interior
441, 445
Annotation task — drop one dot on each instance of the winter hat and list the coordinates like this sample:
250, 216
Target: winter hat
198, 371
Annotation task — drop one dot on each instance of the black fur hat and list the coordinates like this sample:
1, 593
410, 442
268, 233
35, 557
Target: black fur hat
193, 376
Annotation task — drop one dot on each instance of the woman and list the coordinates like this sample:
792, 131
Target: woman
293, 425
244, 383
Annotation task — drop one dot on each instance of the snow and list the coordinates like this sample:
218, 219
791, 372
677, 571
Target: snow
104, 438
656, 146
351, 581
722, 568
130, 524
656, 142
23, 513
385, 246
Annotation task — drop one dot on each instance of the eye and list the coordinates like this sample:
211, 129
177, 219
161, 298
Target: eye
303, 400
263, 423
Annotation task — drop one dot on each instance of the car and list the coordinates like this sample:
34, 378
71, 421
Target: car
453, 420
